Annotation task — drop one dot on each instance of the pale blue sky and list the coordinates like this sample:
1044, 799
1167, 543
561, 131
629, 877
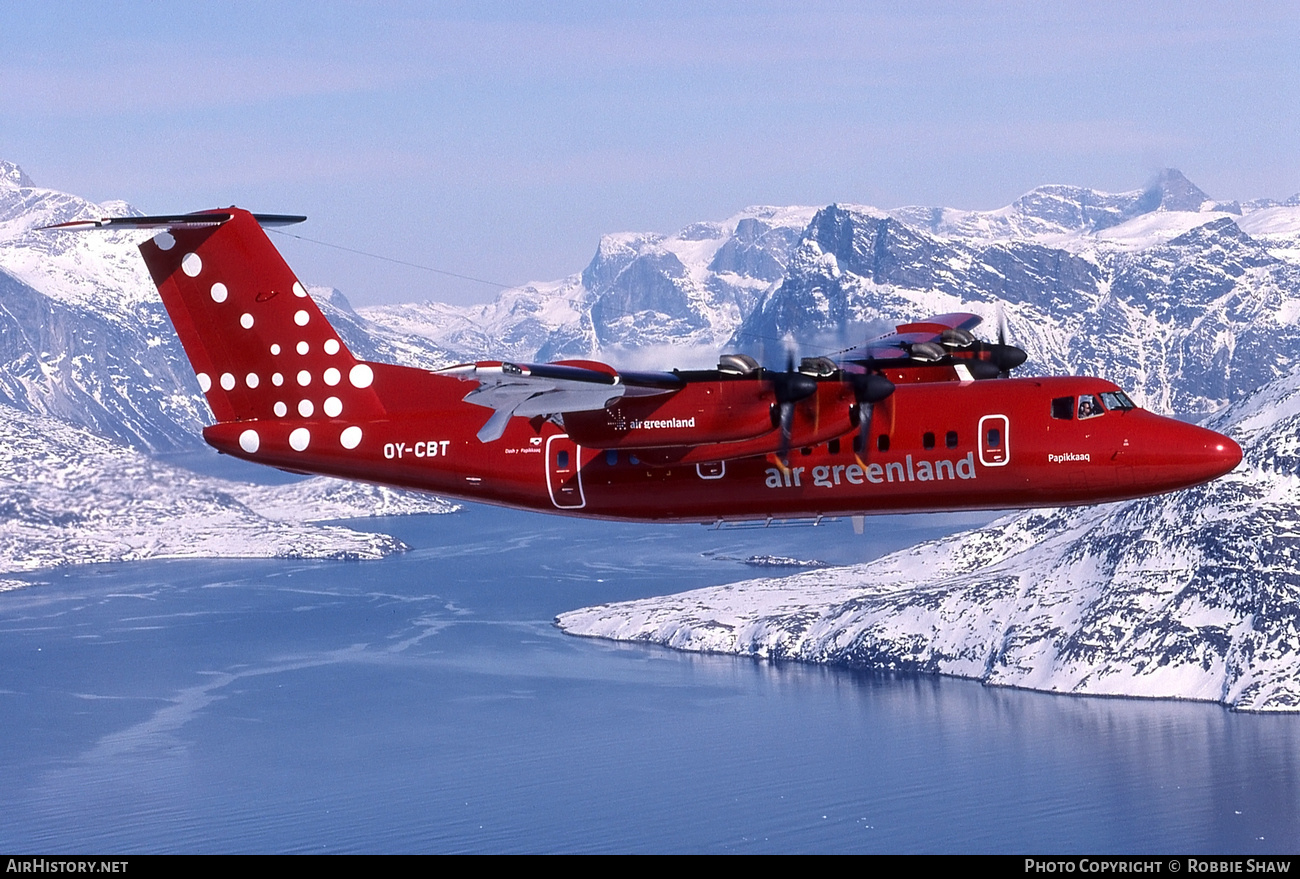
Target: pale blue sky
501, 144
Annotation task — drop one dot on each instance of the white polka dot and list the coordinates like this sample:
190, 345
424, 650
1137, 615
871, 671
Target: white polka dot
361, 376
205, 382
164, 240
192, 265
252, 380
351, 437
275, 350
299, 291
299, 439
277, 379
227, 382
219, 292
303, 347
301, 318
249, 441
331, 346
332, 376
304, 378
281, 409
333, 407
305, 408
246, 321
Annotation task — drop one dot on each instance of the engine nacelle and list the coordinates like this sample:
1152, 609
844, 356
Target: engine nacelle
714, 421
702, 412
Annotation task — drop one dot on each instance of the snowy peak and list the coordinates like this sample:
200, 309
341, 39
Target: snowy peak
12, 177
1172, 191
1055, 211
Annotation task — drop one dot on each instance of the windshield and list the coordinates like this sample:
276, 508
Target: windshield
1117, 401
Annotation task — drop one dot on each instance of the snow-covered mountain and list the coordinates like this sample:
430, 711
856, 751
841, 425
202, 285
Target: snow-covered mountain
1184, 307
641, 291
1192, 595
1188, 302
84, 337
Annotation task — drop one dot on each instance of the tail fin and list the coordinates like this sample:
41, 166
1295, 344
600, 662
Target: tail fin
261, 348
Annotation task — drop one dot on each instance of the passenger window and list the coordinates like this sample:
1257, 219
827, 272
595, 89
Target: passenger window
1089, 407
927, 440
994, 437
562, 460
882, 443
1063, 408
950, 439
833, 447
611, 457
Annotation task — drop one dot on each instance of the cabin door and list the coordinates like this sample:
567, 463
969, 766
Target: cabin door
995, 449
563, 476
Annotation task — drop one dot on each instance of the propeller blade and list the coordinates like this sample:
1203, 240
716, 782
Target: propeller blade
865, 411
789, 387
787, 427
868, 389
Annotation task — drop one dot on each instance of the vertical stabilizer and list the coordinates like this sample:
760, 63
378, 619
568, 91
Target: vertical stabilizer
271, 367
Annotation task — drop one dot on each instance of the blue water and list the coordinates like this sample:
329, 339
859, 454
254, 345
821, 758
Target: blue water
426, 703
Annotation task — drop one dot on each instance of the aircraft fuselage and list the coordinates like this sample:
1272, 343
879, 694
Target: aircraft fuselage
981, 445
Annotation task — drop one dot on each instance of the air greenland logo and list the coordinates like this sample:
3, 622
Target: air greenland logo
659, 424
829, 476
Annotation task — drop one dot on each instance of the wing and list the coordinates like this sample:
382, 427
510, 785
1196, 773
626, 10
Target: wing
545, 389
943, 341
952, 329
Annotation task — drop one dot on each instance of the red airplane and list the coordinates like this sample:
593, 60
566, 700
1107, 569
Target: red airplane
924, 419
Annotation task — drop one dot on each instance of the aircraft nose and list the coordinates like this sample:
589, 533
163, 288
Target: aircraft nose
1227, 452
1169, 454
1204, 454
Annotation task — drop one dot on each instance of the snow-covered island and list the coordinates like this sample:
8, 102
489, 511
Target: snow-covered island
1193, 595
68, 496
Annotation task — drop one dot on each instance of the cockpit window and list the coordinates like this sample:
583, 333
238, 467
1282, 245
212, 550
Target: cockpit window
1117, 401
1089, 407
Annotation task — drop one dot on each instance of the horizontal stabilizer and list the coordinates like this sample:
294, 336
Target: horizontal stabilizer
198, 220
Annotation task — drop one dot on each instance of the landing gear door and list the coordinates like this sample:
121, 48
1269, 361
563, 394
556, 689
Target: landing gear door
563, 476
995, 447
